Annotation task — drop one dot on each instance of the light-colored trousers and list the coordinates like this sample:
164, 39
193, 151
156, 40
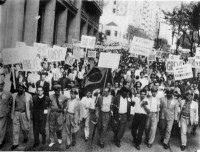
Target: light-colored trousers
20, 121
166, 128
3, 125
86, 127
185, 127
151, 127
71, 127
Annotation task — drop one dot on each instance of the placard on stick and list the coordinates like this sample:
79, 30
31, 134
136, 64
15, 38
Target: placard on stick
88, 42
109, 60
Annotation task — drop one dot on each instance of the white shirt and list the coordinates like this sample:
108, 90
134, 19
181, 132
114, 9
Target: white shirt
138, 108
154, 104
123, 105
106, 104
71, 105
86, 102
144, 82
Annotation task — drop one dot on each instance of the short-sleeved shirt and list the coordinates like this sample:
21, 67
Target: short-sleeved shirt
62, 101
138, 108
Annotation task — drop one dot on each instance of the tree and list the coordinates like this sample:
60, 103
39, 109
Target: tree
185, 22
134, 31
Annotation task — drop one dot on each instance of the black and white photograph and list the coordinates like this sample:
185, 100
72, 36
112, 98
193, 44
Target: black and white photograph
100, 75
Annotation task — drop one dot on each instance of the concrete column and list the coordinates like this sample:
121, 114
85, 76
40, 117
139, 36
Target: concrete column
74, 29
31, 21
85, 27
49, 17
62, 27
12, 22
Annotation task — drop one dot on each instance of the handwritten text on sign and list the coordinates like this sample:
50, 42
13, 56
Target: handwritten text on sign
31, 65
42, 49
183, 72
173, 63
141, 46
70, 60
191, 60
109, 60
56, 54
88, 42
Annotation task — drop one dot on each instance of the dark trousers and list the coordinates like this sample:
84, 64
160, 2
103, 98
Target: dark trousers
120, 127
138, 127
39, 125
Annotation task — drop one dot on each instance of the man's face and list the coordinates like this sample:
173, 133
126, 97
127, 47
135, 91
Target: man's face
57, 91
188, 97
169, 94
20, 89
108, 85
73, 95
89, 94
43, 77
116, 85
154, 93
176, 84
45, 65
40, 92
106, 92
142, 95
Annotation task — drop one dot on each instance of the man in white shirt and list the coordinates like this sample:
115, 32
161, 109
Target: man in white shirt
142, 108
152, 117
103, 108
86, 102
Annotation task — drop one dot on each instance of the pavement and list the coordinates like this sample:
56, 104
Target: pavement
92, 146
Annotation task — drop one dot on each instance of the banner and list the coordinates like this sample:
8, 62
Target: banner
170, 64
141, 46
183, 72
17, 55
191, 61
88, 42
70, 60
31, 65
92, 54
56, 54
109, 60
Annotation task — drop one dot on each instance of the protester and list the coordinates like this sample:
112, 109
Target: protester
42, 82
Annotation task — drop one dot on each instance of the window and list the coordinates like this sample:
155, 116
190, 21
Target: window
115, 2
115, 33
108, 32
113, 10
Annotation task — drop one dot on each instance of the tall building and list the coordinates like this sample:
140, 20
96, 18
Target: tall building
48, 21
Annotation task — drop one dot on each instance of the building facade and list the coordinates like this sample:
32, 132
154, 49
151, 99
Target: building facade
53, 22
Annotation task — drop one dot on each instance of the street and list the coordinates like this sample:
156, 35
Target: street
193, 143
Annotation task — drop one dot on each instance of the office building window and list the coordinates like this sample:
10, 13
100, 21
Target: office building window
115, 2
108, 32
115, 33
113, 10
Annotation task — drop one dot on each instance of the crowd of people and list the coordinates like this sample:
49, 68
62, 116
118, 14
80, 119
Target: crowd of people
138, 89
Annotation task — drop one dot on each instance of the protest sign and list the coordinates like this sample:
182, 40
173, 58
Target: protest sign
70, 60
76, 51
16, 55
183, 72
141, 46
173, 63
56, 54
31, 65
152, 56
134, 55
109, 60
20, 44
88, 42
158, 54
191, 61
42, 49
92, 54
197, 58
174, 57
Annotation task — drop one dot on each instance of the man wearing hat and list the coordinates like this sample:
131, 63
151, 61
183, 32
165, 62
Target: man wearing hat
21, 115
121, 112
42, 82
188, 117
5, 101
152, 117
73, 118
57, 106
168, 115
